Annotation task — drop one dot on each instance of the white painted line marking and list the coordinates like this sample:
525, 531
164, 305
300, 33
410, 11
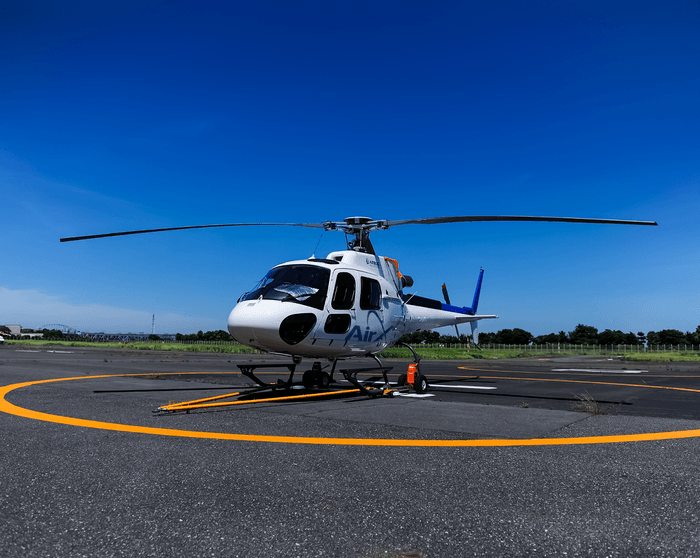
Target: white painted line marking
611, 371
62, 352
420, 395
26, 351
461, 387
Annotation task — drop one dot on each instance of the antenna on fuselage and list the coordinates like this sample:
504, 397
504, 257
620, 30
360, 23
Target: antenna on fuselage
319, 242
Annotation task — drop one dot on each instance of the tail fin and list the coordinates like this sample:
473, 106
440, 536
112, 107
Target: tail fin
475, 302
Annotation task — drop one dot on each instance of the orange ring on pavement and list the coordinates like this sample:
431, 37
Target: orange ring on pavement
9, 408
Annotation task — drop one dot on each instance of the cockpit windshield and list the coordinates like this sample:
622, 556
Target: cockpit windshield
303, 284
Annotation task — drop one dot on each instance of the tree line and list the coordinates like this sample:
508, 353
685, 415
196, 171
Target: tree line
589, 335
57, 334
581, 335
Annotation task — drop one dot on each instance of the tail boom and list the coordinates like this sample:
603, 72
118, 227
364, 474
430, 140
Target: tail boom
425, 313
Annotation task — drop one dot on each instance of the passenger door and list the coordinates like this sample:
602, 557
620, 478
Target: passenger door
341, 309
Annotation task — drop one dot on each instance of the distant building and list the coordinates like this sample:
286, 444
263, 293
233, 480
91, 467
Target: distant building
16, 329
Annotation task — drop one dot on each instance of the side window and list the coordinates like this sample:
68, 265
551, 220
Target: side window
337, 323
370, 295
343, 292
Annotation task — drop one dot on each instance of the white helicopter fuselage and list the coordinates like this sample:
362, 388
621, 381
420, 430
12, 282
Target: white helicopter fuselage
345, 305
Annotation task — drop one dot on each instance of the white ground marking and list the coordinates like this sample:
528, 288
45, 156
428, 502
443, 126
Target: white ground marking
611, 371
415, 395
461, 387
26, 351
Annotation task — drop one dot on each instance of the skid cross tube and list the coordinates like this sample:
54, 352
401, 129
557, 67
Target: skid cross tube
335, 363
351, 376
247, 370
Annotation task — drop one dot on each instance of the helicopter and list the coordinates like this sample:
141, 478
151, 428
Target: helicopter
352, 303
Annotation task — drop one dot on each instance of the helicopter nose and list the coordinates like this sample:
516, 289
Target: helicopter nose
244, 322
269, 324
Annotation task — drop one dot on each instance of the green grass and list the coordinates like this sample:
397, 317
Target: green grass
155, 346
425, 353
143, 346
449, 353
430, 353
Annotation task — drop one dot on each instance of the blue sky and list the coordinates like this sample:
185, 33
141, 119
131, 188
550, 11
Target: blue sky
136, 115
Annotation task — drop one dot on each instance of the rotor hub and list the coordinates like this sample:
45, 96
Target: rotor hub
360, 227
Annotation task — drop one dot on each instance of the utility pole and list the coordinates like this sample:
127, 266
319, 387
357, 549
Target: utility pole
153, 325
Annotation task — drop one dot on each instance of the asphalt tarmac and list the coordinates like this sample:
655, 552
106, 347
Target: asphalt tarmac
493, 462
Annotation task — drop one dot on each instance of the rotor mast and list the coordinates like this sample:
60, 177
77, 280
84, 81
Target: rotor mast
360, 227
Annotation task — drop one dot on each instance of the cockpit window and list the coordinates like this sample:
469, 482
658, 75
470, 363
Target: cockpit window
303, 284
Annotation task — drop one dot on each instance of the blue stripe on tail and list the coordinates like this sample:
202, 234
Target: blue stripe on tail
475, 303
477, 294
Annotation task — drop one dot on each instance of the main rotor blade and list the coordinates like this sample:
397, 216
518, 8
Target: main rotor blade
91, 236
329, 225
465, 218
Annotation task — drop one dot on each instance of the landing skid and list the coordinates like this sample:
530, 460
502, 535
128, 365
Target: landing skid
365, 388
248, 371
315, 377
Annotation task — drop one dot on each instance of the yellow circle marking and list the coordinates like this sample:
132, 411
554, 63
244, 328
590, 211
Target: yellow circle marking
589, 382
7, 407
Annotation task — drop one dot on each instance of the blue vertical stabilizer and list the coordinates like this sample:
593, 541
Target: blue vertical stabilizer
477, 293
460, 309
